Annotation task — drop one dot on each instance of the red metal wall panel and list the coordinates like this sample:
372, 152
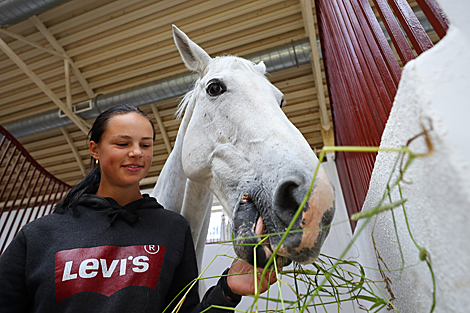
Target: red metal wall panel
411, 25
435, 16
362, 75
393, 28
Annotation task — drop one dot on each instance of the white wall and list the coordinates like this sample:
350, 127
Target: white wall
339, 236
436, 86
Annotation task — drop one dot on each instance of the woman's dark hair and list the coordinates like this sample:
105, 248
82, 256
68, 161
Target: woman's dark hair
91, 182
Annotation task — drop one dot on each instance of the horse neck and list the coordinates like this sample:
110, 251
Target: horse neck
171, 183
179, 194
173, 186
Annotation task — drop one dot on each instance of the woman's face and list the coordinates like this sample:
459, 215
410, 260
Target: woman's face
125, 151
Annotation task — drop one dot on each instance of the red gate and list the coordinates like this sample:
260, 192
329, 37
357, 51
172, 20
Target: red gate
27, 190
363, 74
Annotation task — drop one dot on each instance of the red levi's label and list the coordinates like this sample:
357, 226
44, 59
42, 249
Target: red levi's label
106, 269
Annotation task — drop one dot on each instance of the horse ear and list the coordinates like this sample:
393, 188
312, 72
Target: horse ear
195, 58
261, 67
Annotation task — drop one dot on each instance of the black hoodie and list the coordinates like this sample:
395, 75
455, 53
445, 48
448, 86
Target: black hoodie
106, 258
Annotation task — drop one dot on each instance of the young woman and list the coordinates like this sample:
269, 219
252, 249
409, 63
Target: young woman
107, 248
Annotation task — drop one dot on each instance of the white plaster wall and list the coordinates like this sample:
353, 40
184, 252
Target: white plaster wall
339, 237
436, 86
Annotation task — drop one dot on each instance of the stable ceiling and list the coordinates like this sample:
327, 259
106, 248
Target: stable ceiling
112, 45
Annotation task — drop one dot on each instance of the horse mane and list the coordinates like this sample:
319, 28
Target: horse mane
187, 100
222, 62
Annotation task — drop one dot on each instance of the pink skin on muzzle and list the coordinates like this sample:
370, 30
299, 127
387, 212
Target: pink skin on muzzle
315, 223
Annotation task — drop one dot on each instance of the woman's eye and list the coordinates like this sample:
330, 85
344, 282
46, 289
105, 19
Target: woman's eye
215, 89
145, 146
121, 144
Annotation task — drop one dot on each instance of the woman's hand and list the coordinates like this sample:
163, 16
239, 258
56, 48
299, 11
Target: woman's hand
245, 284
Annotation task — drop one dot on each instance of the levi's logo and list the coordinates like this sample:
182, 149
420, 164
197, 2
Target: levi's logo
106, 269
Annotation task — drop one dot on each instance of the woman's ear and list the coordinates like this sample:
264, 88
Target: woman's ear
94, 150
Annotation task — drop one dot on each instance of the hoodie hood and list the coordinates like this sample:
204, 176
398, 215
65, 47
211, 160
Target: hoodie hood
127, 213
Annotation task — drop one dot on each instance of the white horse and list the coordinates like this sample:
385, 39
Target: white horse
235, 142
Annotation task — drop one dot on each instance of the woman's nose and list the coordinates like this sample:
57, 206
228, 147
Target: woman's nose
136, 152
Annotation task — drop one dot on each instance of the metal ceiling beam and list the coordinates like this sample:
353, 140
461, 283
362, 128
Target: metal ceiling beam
25, 68
68, 92
58, 47
161, 127
309, 26
30, 42
74, 150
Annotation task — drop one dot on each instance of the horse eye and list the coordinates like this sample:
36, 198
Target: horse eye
215, 89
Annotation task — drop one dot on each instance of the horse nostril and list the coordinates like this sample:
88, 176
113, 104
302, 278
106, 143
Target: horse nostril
287, 196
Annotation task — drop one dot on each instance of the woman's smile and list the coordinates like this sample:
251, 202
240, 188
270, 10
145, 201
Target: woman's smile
133, 167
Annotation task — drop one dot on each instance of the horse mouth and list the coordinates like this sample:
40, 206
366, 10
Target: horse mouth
262, 232
252, 237
259, 227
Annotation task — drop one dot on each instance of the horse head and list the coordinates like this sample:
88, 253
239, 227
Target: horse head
236, 140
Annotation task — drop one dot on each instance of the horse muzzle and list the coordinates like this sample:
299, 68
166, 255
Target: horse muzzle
260, 222
252, 243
